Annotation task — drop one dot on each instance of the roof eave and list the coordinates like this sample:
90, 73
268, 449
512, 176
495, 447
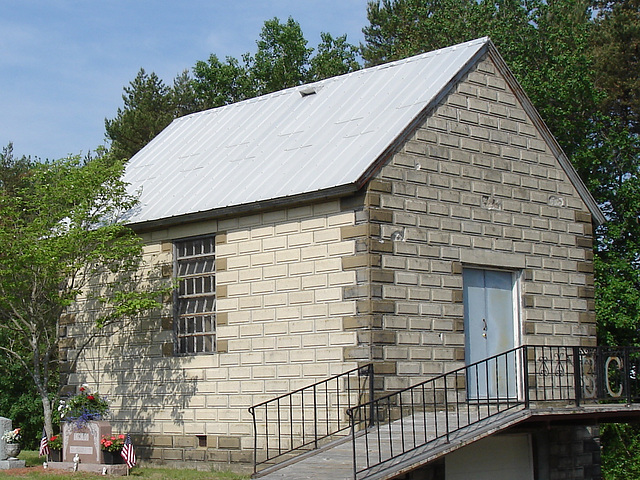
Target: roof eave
245, 209
596, 213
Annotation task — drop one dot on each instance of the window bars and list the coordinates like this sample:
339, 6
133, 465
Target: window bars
196, 296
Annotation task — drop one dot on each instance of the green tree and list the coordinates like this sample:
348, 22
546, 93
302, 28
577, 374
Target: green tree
614, 177
282, 58
217, 83
281, 61
184, 98
617, 60
20, 401
620, 451
334, 56
61, 229
13, 171
558, 76
546, 45
148, 108
401, 28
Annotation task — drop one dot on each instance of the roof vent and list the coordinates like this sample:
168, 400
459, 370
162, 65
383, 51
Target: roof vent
306, 91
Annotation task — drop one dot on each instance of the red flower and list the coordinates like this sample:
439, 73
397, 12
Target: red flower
90, 397
113, 443
55, 437
82, 389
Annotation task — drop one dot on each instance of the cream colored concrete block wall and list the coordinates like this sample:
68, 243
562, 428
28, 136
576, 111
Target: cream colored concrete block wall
308, 292
280, 307
477, 185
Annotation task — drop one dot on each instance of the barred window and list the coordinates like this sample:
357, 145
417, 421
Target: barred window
196, 295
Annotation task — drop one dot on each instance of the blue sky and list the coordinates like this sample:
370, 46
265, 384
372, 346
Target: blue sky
63, 63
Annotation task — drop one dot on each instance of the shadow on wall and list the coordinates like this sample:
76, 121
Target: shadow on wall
146, 386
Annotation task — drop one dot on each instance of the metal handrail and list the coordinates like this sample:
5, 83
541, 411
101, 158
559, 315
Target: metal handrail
300, 420
392, 425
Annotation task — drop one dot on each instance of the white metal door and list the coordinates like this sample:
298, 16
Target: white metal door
489, 330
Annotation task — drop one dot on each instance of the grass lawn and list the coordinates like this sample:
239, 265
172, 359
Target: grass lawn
34, 470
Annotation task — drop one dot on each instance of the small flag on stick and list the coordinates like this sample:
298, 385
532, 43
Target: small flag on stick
127, 453
44, 444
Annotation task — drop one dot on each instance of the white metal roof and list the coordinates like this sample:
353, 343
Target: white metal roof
317, 139
297, 141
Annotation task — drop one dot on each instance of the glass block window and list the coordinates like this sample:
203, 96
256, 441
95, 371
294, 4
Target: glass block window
196, 296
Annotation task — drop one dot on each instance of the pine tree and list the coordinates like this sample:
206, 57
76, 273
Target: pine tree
148, 109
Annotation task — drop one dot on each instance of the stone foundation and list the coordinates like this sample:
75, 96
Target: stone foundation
574, 453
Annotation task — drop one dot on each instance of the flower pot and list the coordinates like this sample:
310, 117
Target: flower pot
112, 458
55, 455
13, 450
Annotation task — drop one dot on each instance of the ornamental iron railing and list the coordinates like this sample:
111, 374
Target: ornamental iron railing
433, 411
307, 418
392, 425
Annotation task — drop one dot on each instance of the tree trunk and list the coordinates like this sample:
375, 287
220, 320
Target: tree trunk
48, 417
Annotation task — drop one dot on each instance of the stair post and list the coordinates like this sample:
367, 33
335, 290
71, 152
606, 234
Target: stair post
315, 418
446, 408
577, 375
372, 421
525, 373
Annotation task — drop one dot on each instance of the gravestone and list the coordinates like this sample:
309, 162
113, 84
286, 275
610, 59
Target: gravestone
84, 441
5, 464
5, 424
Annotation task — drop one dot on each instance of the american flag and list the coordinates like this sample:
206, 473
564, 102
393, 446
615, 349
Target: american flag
44, 444
127, 453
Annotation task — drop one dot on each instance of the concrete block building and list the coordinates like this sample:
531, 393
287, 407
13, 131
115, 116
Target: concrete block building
417, 215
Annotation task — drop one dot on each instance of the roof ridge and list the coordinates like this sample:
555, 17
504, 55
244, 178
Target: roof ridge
363, 71
292, 143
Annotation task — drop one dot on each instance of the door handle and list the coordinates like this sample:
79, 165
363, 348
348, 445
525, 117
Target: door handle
484, 328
